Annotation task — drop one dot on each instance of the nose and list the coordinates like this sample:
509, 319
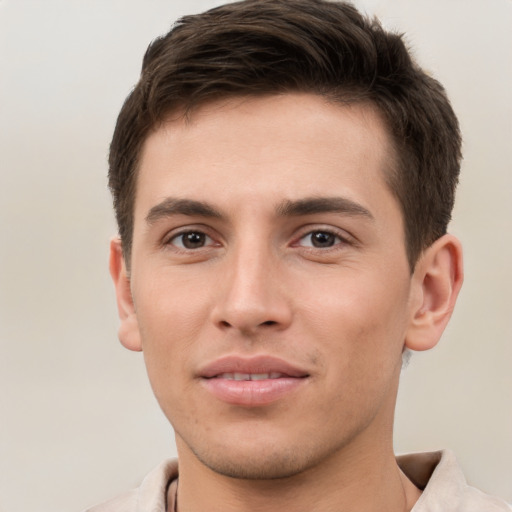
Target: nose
252, 295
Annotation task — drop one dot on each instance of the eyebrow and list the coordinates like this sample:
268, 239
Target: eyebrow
173, 206
307, 206
313, 205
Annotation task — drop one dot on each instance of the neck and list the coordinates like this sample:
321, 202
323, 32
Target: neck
347, 482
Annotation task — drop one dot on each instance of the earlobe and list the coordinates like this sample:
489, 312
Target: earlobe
437, 280
129, 334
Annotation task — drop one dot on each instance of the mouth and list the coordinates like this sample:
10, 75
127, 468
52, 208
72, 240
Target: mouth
252, 382
251, 376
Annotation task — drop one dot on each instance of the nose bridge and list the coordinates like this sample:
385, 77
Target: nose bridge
251, 272
250, 294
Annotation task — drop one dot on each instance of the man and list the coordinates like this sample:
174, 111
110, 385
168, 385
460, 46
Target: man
283, 176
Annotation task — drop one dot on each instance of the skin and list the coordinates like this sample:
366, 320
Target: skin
329, 291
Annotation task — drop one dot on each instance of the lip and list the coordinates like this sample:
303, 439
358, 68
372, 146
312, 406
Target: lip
255, 364
251, 393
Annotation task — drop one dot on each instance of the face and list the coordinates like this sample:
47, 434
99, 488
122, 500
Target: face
270, 283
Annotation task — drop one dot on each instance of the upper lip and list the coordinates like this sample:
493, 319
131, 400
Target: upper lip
252, 365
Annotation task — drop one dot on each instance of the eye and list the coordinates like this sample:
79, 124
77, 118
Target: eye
320, 239
191, 240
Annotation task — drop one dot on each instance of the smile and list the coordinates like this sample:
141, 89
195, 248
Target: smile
251, 382
250, 376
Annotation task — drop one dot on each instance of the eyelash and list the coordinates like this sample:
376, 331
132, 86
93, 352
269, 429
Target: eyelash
338, 239
169, 240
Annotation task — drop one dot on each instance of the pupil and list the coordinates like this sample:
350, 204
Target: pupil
193, 240
321, 239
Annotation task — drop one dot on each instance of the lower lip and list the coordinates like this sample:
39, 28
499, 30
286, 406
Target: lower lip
252, 393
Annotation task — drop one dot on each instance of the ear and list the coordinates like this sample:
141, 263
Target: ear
436, 283
129, 334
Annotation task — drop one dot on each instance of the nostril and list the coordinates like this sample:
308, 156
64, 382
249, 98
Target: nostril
224, 323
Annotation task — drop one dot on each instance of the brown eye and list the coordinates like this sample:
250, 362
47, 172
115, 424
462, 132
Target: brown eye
191, 240
320, 240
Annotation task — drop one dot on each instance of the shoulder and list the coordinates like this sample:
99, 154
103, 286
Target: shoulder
476, 500
124, 503
444, 486
150, 495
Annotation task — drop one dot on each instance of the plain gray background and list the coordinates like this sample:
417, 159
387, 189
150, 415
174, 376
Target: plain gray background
78, 422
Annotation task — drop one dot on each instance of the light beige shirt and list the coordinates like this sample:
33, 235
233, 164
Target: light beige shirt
436, 473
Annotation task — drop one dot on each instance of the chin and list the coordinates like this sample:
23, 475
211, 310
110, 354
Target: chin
250, 467
270, 457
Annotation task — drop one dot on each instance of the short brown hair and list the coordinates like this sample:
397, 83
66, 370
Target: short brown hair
261, 47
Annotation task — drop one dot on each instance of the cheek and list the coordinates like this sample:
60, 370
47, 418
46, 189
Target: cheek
170, 316
170, 307
360, 325
360, 342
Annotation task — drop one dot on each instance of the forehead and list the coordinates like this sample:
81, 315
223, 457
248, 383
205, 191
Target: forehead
278, 147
